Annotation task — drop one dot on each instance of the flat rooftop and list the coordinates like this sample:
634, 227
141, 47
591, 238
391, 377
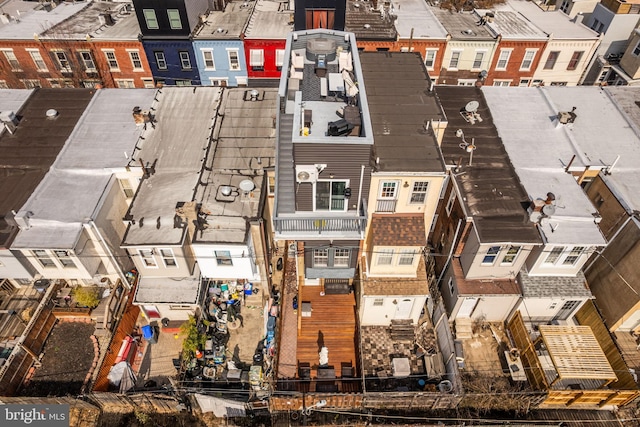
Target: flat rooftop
38, 21
227, 24
70, 193
552, 22
540, 149
173, 153
400, 104
88, 21
168, 290
491, 191
27, 155
125, 28
244, 145
368, 23
269, 20
511, 24
415, 16
462, 25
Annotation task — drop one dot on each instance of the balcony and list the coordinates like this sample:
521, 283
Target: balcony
386, 205
298, 226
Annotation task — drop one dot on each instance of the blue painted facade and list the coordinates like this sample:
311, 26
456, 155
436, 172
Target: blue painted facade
222, 70
176, 69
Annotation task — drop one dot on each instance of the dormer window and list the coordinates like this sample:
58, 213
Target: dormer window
150, 19
174, 19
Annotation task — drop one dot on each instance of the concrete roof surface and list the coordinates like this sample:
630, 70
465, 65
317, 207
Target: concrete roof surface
39, 21
416, 15
555, 22
510, 24
540, 149
244, 145
173, 290
269, 21
126, 28
462, 25
227, 24
177, 146
399, 104
87, 21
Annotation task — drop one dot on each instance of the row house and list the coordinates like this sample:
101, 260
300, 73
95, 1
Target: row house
165, 31
406, 182
327, 14
80, 45
264, 41
218, 45
372, 23
624, 69
71, 225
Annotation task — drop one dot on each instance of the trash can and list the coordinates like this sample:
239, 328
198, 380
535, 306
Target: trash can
149, 334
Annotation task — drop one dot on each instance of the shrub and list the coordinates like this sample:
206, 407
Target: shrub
86, 297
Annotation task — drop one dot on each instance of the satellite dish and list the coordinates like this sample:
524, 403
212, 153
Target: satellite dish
472, 106
247, 185
548, 210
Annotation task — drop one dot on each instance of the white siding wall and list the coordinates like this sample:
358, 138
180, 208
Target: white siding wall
242, 263
374, 314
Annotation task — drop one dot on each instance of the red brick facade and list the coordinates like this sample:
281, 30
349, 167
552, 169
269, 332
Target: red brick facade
514, 71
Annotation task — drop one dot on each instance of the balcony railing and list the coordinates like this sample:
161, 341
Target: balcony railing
386, 205
320, 225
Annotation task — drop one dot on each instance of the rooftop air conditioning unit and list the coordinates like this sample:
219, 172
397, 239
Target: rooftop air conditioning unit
306, 173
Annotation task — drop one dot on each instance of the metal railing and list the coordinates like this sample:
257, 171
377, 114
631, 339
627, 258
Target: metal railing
386, 205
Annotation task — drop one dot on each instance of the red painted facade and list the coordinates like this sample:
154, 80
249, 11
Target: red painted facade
60, 63
269, 47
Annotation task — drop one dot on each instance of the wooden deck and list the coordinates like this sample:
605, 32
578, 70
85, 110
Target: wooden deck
332, 324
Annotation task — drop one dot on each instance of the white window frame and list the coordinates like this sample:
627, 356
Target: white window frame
31, 83
207, 61
330, 181
185, 60
160, 58
147, 257
44, 258
385, 256
430, 58
148, 83
477, 63
64, 258
111, 58
419, 190
527, 62
388, 190
554, 255
467, 82
150, 19
321, 257
505, 55
576, 253
490, 257
62, 59
223, 258
450, 203
458, 54
11, 58
125, 83
88, 63
279, 58
183, 82
378, 302
168, 258
341, 257
217, 81
38, 60
502, 83
236, 53
136, 60
174, 18
510, 255
524, 83
256, 58
406, 257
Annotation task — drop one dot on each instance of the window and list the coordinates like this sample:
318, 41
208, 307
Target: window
554, 255
63, 61
575, 59
419, 192
503, 83
126, 188
388, 189
511, 255
31, 83
455, 58
11, 58
37, 60
147, 258
524, 82
564, 6
491, 255
558, 83
477, 61
174, 19
183, 82
234, 62
537, 83
256, 59
466, 82
407, 256
406, 49
430, 58
279, 59
64, 259
90, 83
3, 84
378, 302
574, 255
433, 223
330, 196
218, 81
111, 60
341, 257
136, 62
87, 61
272, 184
385, 257
450, 202
527, 60
320, 257
44, 259
150, 19
503, 60
223, 258
125, 83
168, 258
161, 61
185, 61
551, 60
207, 56
148, 83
